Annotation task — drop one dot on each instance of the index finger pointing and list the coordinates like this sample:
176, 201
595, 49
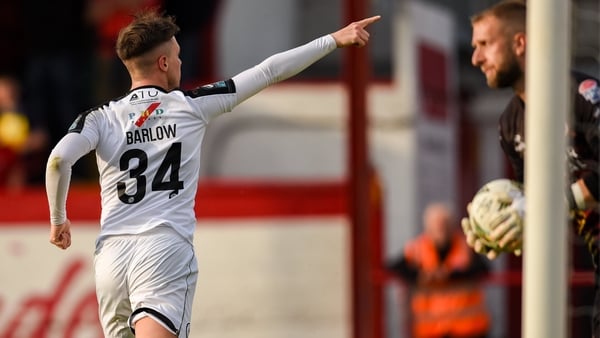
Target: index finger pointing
368, 21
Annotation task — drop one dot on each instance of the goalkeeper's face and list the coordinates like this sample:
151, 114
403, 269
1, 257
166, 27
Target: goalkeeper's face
497, 52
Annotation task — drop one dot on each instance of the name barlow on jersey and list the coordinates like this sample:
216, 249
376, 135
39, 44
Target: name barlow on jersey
157, 133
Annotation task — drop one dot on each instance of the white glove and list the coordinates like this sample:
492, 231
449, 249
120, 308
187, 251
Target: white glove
477, 243
507, 226
503, 215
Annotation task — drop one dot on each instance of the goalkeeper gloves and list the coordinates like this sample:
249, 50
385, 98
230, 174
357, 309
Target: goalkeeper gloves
477, 243
505, 227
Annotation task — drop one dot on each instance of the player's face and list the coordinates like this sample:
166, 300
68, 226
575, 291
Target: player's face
174, 72
493, 53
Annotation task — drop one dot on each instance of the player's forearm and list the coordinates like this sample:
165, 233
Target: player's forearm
284, 65
281, 66
58, 177
58, 173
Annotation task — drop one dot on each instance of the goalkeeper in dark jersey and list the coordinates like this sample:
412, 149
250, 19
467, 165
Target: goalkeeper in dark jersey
499, 49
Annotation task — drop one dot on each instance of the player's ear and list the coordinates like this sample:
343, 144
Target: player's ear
519, 43
162, 63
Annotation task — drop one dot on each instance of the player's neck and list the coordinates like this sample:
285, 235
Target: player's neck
519, 89
157, 80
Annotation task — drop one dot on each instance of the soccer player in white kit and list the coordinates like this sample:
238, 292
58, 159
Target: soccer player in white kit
147, 146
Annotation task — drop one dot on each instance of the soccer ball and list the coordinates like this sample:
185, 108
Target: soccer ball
14, 130
487, 202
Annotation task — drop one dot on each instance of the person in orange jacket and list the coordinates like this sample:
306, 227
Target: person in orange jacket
447, 298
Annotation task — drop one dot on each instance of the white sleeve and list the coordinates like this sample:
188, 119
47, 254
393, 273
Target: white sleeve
281, 66
58, 173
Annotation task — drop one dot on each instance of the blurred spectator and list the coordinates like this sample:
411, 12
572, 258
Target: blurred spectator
197, 20
447, 299
55, 80
14, 130
107, 17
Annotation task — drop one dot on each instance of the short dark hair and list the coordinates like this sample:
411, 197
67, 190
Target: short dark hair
147, 30
513, 12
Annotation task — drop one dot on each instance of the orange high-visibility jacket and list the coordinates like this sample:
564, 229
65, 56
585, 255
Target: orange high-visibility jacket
455, 307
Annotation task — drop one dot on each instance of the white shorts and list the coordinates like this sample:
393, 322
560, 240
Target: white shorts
153, 274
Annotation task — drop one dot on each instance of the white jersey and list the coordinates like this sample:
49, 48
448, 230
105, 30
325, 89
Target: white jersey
148, 146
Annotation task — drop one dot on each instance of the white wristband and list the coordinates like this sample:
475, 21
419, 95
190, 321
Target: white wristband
578, 196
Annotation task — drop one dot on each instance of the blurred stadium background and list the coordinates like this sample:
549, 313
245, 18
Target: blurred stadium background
283, 250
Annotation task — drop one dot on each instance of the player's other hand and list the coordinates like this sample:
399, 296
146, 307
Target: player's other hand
60, 235
508, 233
355, 33
508, 226
476, 243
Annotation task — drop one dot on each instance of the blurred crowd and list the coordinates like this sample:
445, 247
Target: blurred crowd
59, 61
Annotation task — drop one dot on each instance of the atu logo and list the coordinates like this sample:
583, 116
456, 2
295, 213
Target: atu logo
39, 315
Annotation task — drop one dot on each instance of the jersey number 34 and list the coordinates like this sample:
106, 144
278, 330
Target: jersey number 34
169, 165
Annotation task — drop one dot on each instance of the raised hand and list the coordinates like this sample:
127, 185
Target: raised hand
355, 33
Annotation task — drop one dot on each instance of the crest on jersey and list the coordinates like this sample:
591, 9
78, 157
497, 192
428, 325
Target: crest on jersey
590, 90
146, 113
